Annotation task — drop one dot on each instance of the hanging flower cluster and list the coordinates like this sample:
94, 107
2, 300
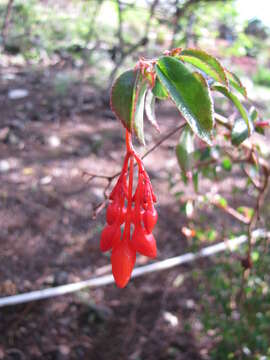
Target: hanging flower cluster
135, 212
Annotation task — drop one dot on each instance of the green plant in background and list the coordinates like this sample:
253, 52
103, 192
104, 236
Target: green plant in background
105, 34
236, 313
262, 76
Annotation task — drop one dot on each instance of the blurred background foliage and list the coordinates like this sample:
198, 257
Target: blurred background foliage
104, 36
110, 34
99, 38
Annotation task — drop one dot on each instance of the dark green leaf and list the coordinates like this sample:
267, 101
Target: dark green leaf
212, 235
195, 179
253, 113
159, 91
127, 101
223, 90
185, 149
239, 132
259, 130
190, 93
236, 83
205, 154
150, 109
122, 97
205, 62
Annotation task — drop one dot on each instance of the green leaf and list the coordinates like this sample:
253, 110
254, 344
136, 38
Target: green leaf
185, 149
159, 91
226, 163
127, 101
239, 132
259, 130
246, 211
253, 113
222, 202
236, 83
122, 97
255, 256
190, 93
223, 90
205, 62
150, 109
195, 179
212, 235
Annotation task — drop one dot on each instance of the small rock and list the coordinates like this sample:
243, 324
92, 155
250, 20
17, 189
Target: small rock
4, 166
190, 304
170, 318
54, 141
49, 280
8, 76
17, 94
46, 180
61, 278
27, 285
64, 349
8, 288
100, 312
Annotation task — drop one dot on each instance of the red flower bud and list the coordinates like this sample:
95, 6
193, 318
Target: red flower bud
123, 260
150, 219
136, 216
113, 212
110, 237
144, 243
128, 208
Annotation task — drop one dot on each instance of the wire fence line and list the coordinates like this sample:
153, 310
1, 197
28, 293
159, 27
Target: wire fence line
231, 245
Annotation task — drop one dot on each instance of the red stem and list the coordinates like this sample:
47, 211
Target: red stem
137, 202
129, 142
130, 182
130, 152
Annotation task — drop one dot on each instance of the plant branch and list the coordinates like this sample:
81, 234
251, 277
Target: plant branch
120, 24
99, 207
123, 54
6, 21
164, 138
247, 261
256, 215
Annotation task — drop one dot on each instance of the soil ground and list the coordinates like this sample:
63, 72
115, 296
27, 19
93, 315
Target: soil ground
48, 237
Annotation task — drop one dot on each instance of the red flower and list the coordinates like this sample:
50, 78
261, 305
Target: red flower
138, 215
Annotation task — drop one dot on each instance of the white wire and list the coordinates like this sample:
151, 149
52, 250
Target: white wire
139, 271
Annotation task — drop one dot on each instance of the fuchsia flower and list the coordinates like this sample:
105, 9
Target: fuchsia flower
137, 213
